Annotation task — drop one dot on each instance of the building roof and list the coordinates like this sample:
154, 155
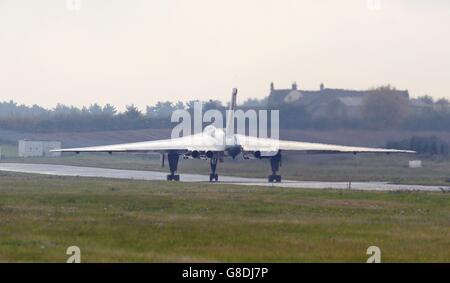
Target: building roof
346, 96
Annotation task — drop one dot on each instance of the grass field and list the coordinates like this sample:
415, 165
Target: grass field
136, 221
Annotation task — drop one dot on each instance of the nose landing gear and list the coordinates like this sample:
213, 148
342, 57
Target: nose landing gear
173, 166
213, 177
275, 163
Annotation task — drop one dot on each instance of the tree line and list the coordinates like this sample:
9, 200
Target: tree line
380, 109
430, 145
92, 118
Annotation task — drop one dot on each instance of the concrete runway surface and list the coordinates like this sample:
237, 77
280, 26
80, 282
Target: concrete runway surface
63, 170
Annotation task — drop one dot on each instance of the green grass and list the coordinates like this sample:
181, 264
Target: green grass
8, 151
136, 221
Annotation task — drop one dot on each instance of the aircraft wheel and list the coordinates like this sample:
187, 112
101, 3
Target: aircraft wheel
213, 177
173, 177
274, 179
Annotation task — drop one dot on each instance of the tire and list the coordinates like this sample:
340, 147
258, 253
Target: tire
213, 177
278, 179
173, 177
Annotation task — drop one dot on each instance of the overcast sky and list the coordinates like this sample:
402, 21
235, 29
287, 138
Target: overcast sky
141, 51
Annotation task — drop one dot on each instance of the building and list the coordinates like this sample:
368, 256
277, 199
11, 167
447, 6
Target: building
324, 100
424, 105
30, 148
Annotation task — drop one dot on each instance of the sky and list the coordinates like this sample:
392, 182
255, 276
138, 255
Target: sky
140, 52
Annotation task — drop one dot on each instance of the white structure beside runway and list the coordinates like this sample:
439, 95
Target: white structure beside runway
30, 148
415, 164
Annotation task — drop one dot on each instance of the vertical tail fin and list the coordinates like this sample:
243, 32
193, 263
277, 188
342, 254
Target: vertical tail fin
230, 114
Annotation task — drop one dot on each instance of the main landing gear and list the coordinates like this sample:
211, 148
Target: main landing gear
275, 163
173, 166
213, 177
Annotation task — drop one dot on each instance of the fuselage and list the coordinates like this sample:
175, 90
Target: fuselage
227, 145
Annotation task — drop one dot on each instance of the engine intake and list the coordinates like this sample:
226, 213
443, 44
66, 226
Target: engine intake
250, 155
198, 155
195, 154
209, 154
265, 154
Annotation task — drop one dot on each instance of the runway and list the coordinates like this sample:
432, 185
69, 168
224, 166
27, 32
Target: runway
77, 171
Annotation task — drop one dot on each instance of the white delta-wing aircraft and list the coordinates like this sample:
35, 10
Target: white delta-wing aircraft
216, 143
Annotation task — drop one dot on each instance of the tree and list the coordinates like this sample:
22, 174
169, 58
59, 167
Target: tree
212, 104
423, 145
95, 109
132, 112
161, 110
443, 105
426, 98
64, 110
109, 110
255, 102
384, 108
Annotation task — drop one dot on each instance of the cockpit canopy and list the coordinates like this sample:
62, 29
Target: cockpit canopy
214, 132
